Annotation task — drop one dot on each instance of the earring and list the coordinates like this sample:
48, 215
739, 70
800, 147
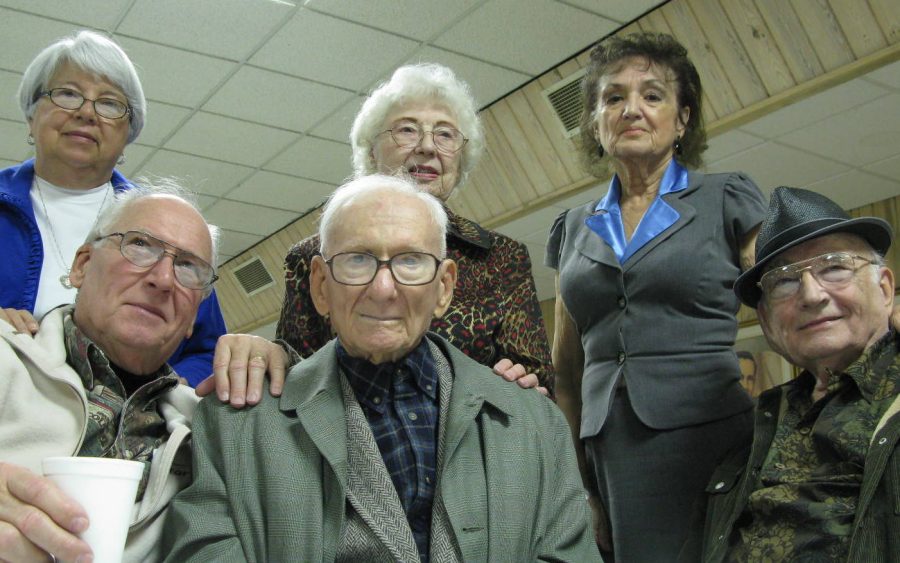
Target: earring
677, 146
121, 160
30, 139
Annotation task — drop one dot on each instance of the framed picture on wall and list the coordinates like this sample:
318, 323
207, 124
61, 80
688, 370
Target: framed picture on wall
761, 367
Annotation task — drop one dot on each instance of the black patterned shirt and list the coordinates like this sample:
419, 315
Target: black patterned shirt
120, 425
804, 502
400, 401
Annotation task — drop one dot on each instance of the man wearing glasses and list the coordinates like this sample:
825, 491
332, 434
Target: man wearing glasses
94, 380
820, 481
388, 443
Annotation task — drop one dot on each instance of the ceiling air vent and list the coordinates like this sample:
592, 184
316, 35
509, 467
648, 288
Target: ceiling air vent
565, 99
253, 276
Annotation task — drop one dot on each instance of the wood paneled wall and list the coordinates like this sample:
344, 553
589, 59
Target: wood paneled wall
754, 56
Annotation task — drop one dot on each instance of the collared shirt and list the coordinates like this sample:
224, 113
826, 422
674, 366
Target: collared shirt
607, 218
400, 401
118, 426
805, 499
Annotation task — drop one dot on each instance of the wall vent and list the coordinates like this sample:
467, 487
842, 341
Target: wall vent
565, 99
253, 276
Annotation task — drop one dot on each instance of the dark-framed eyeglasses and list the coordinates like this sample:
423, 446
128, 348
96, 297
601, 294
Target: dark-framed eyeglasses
70, 99
145, 251
360, 268
832, 271
447, 140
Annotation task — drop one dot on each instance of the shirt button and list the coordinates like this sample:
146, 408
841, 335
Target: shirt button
804, 431
621, 358
780, 466
621, 302
428, 387
428, 480
413, 416
376, 400
882, 441
767, 414
719, 485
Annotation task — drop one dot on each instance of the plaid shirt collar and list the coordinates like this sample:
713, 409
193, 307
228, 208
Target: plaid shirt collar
372, 382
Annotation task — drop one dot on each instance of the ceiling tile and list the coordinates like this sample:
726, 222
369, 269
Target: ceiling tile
25, 35
317, 159
281, 191
889, 167
135, 154
529, 40
205, 202
224, 28
337, 126
246, 218
815, 108
332, 51
888, 75
410, 18
12, 141
771, 165
205, 176
9, 101
590, 193
532, 228
488, 82
729, 143
276, 99
858, 136
622, 11
175, 76
162, 119
229, 139
847, 189
544, 284
233, 243
98, 14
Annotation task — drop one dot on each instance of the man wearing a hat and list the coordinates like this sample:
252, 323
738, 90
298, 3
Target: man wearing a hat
821, 480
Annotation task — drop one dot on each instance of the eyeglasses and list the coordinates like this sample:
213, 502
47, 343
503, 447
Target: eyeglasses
408, 134
360, 268
70, 99
832, 271
145, 251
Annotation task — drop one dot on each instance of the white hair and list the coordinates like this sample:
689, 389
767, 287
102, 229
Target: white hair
383, 185
92, 53
426, 81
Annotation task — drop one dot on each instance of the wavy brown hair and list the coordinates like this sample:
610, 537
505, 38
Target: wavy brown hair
660, 49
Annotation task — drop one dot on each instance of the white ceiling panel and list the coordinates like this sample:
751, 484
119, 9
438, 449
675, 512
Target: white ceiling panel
229, 139
528, 40
246, 218
276, 99
859, 136
544, 280
98, 14
135, 154
888, 75
161, 121
591, 193
212, 177
532, 228
24, 36
173, 75
9, 102
326, 49
233, 243
488, 82
337, 126
12, 141
205, 202
409, 18
856, 188
816, 108
889, 167
622, 11
729, 143
223, 28
282, 191
771, 165
317, 159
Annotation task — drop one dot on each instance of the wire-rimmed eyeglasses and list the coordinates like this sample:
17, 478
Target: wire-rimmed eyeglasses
447, 140
70, 99
145, 251
833, 271
360, 268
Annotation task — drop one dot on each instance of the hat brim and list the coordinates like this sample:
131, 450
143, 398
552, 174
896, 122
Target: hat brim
877, 232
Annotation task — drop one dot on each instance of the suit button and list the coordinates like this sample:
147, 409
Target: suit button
621, 358
621, 302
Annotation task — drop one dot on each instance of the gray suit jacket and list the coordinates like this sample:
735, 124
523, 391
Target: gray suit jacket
271, 482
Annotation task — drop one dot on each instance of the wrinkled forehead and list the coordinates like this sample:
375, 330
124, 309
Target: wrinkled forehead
171, 220
384, 221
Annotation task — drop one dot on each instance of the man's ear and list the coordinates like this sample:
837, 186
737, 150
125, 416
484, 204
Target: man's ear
79, 264
447, 283
317, 272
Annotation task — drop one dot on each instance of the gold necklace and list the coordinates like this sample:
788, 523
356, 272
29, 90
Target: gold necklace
63, 279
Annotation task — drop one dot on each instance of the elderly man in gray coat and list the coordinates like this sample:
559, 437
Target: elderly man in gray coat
388, 444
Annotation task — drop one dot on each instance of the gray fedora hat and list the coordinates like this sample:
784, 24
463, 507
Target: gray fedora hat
796, 215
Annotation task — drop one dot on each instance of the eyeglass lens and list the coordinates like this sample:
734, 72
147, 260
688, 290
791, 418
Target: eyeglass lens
407, 268
830, 270
70, 99
145, 251
410, 134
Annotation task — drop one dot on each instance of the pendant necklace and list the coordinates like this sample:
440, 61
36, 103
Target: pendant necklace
63, 279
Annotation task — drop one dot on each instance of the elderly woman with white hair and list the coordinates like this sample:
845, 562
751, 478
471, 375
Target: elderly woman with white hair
423, 123
83, 103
